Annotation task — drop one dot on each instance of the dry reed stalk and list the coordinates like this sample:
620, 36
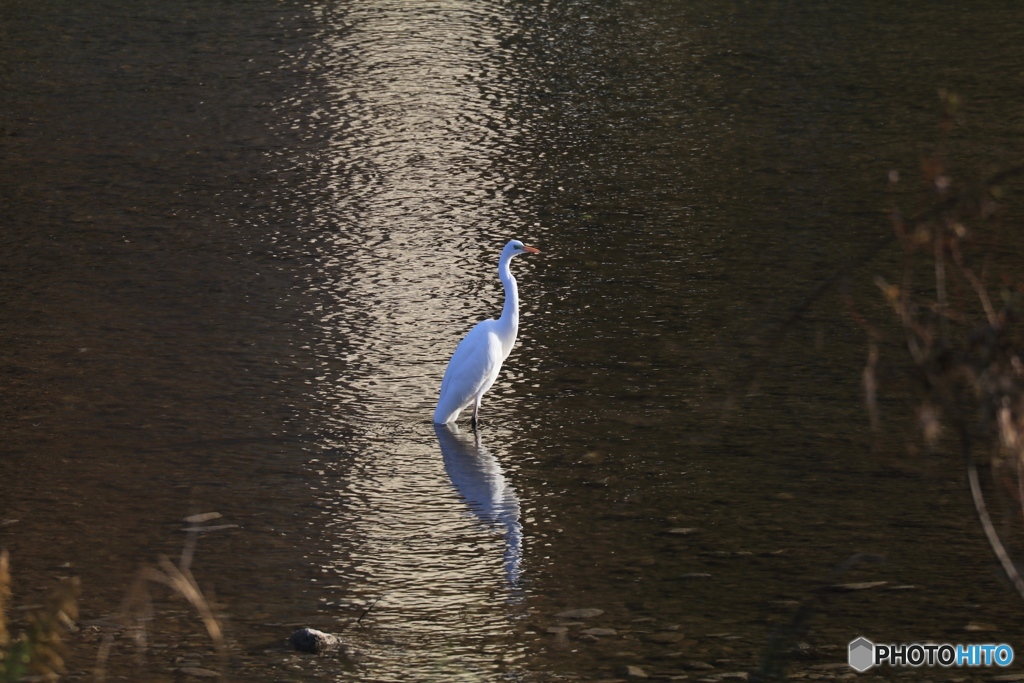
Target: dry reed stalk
39, 649
137, 607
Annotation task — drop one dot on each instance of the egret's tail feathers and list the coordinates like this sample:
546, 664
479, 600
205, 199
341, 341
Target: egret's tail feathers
446, 414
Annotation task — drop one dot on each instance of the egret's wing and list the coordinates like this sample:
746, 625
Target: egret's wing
476, 360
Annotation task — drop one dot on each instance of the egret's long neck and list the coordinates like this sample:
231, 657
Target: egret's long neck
508, 323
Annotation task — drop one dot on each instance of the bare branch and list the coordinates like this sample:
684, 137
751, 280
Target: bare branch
990, 532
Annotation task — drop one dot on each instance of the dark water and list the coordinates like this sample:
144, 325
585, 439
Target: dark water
240, 241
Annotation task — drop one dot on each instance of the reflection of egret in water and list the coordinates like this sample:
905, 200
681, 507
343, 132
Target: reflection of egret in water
480, 480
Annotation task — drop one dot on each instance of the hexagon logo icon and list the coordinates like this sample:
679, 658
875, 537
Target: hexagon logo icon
862, 655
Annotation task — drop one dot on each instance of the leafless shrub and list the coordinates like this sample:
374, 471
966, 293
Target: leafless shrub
959, 327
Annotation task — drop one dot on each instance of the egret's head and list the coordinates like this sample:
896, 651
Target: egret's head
515, 247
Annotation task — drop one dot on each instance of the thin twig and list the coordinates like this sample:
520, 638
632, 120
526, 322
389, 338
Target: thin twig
367, 610
1020, 477
870, 380
940, 283
979, 289
990, 531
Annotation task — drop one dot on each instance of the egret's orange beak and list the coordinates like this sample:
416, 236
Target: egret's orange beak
531, 250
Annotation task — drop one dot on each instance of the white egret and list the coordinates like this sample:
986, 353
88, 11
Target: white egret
477, 359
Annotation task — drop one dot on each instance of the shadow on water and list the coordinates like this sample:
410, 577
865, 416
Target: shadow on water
478, 477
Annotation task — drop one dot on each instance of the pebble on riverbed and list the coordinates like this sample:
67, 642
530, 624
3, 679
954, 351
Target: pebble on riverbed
861, 586
599, 632
196, 672
585, 613
633, 671
697, 666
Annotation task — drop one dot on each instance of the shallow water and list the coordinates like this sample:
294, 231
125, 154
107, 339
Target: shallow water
242, 240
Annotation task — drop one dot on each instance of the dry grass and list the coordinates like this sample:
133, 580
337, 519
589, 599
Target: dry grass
137, 613
39, 650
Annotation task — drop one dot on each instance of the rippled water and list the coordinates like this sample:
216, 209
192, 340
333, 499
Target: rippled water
241, 241
420, 179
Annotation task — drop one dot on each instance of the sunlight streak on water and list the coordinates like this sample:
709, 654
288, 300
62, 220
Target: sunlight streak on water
416, 208
412, 199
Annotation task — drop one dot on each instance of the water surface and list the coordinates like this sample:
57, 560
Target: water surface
241, 242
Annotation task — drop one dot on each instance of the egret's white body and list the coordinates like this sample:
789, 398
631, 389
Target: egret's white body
477, 359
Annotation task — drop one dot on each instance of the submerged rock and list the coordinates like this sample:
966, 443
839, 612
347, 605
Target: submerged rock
585, 613
861, 586
697, 666
599, 632
631, 671
313, 641
197, 672
975, 626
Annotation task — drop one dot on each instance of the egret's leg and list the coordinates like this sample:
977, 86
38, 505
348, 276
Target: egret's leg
476, 413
